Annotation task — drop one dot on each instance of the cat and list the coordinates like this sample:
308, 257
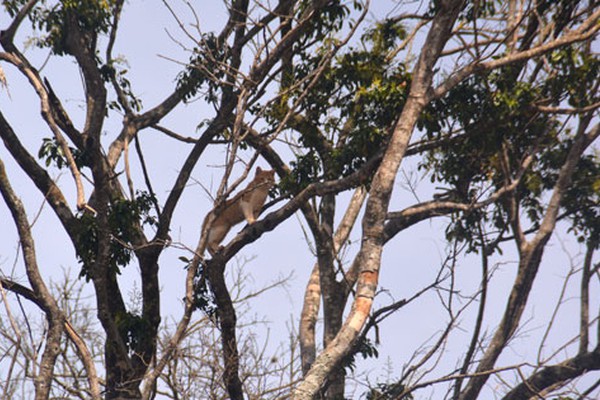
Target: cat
246, 205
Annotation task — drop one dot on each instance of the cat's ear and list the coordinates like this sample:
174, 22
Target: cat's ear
258, 170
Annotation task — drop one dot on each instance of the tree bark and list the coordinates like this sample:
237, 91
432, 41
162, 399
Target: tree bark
551, 375
227, 319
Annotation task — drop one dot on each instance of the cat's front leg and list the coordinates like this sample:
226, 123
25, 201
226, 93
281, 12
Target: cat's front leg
248, 211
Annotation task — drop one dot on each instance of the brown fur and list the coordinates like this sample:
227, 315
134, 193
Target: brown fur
245, 205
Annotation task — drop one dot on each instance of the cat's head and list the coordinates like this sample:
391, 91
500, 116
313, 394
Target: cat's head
264, 175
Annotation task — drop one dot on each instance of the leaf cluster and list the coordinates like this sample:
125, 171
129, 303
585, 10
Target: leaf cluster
496, 122
582, 201
204, 298
497, 128
56, 21
134, 329
111, 71
344, 118
575, 71
365, 347
495, 125
52, 154
12, 7
206, 68
124, 219
328, 20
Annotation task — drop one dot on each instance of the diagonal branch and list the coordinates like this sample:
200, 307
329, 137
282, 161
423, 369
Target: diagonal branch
32, 75
555, 374
8, 34
39, 176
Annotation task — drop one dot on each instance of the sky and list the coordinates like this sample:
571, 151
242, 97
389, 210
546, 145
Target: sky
411, 260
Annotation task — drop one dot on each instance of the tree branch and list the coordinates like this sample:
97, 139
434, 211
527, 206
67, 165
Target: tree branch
56, 320
585, 31
555, 374
80, 345
39, 176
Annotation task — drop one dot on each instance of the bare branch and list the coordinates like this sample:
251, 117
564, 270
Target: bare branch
585, 31
32, 75
53, 314
551, 375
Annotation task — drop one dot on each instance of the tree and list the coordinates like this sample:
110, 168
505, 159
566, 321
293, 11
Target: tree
498, 108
